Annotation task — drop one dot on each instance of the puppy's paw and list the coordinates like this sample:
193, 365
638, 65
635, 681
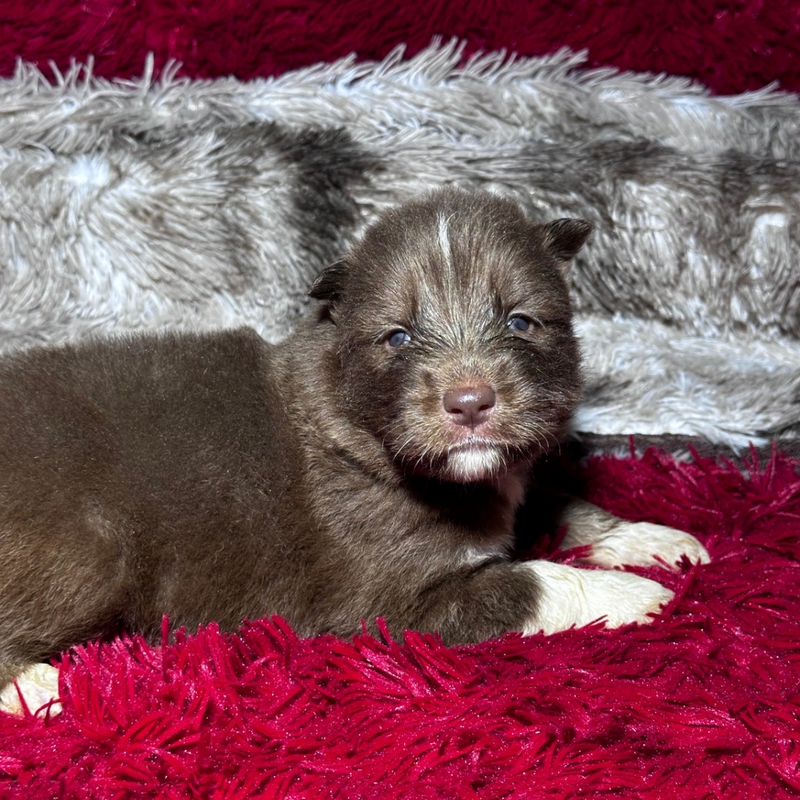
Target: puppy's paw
644, 544
575, 597
38, 685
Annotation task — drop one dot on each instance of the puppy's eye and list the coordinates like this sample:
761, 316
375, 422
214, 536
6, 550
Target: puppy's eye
397, 339
519, 323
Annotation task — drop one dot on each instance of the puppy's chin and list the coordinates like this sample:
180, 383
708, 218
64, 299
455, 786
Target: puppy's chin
474, 464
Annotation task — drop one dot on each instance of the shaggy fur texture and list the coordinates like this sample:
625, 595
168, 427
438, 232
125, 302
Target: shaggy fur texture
134, 206
703, 703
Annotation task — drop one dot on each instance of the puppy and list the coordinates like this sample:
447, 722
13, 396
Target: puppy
371, 465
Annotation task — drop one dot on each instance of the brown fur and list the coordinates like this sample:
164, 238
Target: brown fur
216, 477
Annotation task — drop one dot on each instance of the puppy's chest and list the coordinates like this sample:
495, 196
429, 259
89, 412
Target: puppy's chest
430, 522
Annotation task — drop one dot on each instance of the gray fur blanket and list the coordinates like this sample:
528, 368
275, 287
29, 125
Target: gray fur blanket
196, 204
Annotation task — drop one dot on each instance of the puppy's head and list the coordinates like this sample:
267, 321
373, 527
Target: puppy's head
455, 342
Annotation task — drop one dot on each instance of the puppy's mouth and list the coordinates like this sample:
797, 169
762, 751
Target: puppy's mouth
453, 448
475, 460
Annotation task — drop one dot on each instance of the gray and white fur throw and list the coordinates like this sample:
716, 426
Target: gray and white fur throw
204, 204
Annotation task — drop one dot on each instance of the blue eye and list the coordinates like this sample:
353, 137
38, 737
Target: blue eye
398, 339
519, 323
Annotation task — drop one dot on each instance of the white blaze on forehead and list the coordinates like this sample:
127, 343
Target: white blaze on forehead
456, 307
444, 239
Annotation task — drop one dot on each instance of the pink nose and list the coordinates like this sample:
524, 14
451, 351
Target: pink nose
469, 405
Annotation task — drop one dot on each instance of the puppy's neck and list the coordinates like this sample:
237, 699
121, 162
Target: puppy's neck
511, 486
309, 366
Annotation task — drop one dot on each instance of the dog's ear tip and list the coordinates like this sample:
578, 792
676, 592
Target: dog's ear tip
329, 284
565, 237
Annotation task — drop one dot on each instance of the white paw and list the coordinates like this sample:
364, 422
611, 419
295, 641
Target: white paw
38, 685
644, 544
575, 597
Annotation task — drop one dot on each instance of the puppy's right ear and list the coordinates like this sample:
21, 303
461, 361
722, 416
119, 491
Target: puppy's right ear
329, 284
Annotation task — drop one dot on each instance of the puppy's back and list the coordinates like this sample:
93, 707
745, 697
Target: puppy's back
82, 413
131, 482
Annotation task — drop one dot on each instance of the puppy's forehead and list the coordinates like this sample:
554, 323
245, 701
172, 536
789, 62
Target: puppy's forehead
453, 252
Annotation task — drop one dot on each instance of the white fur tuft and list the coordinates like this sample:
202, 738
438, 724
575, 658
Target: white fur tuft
467, 465
641, 544
38, 685
616, 542
444, 239
575, 597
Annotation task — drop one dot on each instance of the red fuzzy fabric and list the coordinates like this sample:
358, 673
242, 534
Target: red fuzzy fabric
731, 45
703, 703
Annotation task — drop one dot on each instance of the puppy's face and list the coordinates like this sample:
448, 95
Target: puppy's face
456, 348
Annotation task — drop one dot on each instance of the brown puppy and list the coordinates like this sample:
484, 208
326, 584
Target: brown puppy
369, 466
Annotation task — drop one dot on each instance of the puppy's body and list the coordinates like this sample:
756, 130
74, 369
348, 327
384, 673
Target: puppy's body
369, 466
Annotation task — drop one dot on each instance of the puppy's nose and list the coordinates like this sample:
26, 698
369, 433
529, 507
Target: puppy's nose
469, 405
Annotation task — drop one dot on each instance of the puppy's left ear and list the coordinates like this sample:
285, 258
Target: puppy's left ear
329, 284
565, 237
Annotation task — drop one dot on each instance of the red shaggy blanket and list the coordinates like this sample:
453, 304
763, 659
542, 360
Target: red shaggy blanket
703, 703
731, 45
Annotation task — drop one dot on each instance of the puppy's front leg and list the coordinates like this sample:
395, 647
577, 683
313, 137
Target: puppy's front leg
616, 542
532, 597
569, 596
36, 686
